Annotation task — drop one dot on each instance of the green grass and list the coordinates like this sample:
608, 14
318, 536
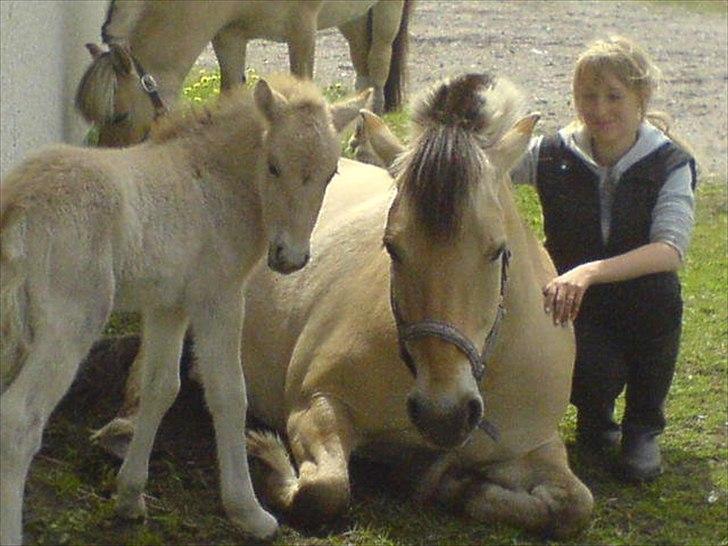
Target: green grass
69, 498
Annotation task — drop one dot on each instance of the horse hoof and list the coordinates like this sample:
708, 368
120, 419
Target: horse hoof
260, 525
134, 509
114, 437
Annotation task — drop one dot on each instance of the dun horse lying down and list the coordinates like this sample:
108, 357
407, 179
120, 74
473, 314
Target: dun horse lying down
170, 228
438, 269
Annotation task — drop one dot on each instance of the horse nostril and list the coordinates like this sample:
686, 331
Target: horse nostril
279, 252
475, 412
306, 258
413, 409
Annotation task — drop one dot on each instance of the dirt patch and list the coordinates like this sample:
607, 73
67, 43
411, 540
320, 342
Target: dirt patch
535, 43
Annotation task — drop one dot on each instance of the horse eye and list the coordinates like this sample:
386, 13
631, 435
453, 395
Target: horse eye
120, 117
498, 253
273, 170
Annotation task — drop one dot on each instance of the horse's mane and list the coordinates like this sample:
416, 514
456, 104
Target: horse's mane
228, 107
454, 122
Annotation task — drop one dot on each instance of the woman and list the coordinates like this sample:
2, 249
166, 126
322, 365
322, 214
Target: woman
617, 199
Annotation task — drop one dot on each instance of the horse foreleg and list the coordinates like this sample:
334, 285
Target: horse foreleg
217, 326
321, 438
230, 45
161, 345
537, 492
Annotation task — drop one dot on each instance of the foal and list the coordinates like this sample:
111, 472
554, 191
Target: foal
169, 228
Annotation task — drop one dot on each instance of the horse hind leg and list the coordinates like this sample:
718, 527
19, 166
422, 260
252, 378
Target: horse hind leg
355, 33
25, 407
230, 45
537, 492
386, 17
161, 345
320, 437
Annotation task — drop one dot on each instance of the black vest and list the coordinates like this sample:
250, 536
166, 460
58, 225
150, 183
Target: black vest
569, 195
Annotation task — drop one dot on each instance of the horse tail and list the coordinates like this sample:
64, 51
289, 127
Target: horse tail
15, 330
281, 480
96, 90
394, 88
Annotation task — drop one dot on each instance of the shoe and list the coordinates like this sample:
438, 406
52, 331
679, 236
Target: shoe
640, 458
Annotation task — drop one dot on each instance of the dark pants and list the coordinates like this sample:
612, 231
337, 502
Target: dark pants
607, 360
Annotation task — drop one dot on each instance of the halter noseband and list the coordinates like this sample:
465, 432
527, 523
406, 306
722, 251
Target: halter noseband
447, 332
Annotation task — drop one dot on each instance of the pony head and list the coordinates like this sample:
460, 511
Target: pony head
298, 159
110, 96
447, 237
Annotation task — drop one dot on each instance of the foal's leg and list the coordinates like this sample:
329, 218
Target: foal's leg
61, 340
217, 326
321, 437
230, 45
163, 333
537, 492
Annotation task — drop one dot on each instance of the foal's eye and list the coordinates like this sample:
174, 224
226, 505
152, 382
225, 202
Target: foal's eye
273, 170
120, 117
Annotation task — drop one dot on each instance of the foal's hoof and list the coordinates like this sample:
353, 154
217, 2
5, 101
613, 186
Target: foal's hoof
134, 509
259, 524
114, 437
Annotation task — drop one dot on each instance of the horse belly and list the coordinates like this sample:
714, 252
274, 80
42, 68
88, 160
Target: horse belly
337, 12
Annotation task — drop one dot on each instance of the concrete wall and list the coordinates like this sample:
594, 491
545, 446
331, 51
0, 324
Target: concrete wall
42, 58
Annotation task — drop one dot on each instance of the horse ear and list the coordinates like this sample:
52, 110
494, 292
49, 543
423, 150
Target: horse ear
383, 141
94, 50
121, 59
509, 149
268, 100
344, 112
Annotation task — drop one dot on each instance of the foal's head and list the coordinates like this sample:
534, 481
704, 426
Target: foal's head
110, 95
447, 238
298, 159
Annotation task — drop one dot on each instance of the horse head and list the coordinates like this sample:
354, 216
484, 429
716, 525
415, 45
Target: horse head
112, 96
298, 160
447, 237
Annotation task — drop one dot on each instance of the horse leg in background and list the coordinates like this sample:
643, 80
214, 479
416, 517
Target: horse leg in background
355, 33
217, 325
161, 345
386, 17
66, 335
302, 42
321, 439
230, 45
537, 491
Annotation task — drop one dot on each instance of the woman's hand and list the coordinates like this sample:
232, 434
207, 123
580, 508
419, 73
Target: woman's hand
562, 296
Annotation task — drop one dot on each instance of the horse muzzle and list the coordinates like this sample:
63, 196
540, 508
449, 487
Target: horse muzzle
283, 260
446, 426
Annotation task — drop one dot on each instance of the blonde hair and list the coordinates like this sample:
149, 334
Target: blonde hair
633, 67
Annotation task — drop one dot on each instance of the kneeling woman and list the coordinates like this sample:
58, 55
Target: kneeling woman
617, 196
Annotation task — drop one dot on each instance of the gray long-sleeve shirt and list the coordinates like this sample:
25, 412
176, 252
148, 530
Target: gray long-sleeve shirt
673, 216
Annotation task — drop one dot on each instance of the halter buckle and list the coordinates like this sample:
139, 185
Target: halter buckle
148, 83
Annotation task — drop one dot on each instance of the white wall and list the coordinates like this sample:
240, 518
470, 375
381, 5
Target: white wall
42, 58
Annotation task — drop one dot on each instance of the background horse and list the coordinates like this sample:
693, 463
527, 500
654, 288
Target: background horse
167, 37
457, 253
170, 228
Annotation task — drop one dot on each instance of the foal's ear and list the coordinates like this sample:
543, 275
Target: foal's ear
344, 112
121, 59
509, 149
382, 140
269, 101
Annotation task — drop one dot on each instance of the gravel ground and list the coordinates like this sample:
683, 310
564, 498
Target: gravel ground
534, 43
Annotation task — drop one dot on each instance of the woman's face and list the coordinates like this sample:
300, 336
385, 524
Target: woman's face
611, 111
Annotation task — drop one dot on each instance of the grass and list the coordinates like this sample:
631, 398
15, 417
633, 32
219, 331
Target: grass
69, 499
